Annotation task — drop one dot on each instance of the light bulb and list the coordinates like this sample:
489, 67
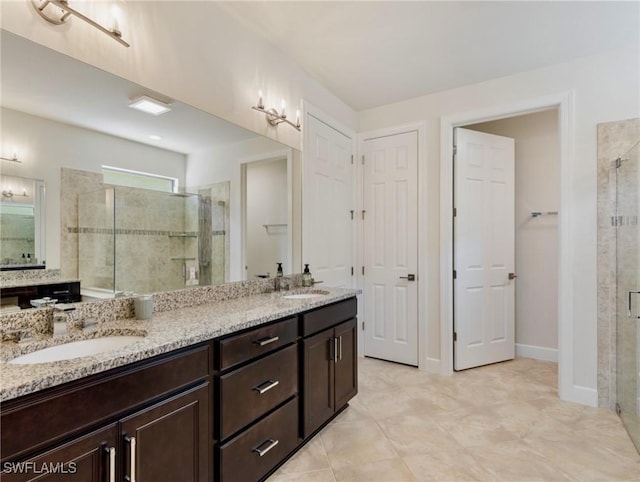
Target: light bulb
115, 17
283, 105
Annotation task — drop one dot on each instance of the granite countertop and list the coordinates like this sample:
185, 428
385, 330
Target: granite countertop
18, 283
164, 332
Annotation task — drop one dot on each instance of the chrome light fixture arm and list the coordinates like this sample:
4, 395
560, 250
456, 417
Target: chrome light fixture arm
274, 118
67, 11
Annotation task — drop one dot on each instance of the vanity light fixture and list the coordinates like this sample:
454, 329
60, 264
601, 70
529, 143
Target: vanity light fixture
8, 193
13, 158
58, 12
273, 116
149, 105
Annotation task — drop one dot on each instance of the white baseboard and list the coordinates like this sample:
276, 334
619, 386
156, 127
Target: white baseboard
431, 365
537, 352
578, 394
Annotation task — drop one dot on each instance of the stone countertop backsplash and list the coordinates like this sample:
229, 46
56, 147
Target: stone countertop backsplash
181, 318
31, 277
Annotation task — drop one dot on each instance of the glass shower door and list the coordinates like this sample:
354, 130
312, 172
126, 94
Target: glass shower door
628, 290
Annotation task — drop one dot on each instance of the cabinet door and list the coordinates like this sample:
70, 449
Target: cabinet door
84, 459
170, 441
318, 380
346, 376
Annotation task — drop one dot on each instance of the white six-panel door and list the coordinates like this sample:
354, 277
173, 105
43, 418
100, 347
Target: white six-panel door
327, 204
484, 249
391, 248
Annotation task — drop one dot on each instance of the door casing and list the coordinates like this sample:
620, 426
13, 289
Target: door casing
564, 102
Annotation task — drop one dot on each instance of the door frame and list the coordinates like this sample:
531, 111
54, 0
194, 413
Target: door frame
564, 103
424, 363
242, 166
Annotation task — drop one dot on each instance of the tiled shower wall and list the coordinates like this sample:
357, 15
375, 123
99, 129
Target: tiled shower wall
138, 240
614, 140
147, 221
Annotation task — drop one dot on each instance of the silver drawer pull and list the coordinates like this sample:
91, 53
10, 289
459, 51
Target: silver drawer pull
132, 458
266, 386
270, 443
266, 341
112, 463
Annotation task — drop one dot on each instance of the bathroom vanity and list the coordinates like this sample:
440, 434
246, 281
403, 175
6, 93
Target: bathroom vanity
223, 391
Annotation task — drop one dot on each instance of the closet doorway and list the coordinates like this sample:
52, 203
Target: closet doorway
517, 312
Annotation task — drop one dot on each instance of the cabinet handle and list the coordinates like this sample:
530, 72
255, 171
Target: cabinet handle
266, 386
132, 457
112, 463
335, 350
266, 341
263, 451
340, 347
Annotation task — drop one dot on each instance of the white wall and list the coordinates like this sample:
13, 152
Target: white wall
223, 164
537, 188
193, 52
44, 146
605, 88
266, 203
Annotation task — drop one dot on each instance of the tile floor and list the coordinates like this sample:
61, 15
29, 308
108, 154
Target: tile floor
502, 422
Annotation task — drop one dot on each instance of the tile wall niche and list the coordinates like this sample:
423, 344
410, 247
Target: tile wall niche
614, 140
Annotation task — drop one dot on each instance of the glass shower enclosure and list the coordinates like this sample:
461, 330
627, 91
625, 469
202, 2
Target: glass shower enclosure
142, 241
628, 290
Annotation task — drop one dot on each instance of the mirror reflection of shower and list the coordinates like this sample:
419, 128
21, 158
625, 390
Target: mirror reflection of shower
133, 240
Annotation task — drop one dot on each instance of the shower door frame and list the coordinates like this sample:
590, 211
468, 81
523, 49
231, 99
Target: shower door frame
627, 242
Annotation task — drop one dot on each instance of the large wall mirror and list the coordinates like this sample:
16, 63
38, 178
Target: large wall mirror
138, 202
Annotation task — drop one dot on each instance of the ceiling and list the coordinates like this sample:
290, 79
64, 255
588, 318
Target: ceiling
376, 53
46, 83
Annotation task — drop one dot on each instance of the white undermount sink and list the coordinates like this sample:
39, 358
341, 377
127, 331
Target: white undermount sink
306, 295
76, 349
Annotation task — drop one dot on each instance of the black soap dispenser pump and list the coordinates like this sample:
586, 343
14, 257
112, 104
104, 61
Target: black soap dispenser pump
279, 272
307, 280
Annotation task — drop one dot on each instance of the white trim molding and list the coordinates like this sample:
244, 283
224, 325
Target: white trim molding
564, 102
536, 352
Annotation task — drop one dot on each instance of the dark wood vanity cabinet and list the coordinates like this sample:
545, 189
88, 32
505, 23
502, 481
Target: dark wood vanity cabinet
257, 400
232, 409
84, 459
150, 421
330, 375
168, 441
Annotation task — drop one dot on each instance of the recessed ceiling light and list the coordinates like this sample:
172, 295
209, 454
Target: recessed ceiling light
155, 137
149, 105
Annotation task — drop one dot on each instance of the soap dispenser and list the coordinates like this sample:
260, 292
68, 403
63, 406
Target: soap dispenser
307, 280
279, 272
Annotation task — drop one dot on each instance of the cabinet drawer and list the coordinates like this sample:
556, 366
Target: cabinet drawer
274, 437
245, 346
328, 316
34, 422
253, 390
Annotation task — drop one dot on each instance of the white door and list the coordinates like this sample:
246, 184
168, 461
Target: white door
391, 248
327, 204
484, 249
